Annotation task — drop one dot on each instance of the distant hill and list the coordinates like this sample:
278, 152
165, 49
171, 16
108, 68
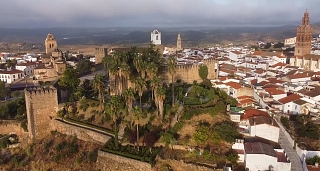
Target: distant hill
192, 36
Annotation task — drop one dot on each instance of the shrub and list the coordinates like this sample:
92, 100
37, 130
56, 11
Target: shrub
92, 156
285, 122
4, 142
24, 125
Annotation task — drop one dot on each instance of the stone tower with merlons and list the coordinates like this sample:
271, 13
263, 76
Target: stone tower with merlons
50, 43
304, 36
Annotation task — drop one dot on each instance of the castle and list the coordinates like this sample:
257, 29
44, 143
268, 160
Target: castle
42, 107
302, 55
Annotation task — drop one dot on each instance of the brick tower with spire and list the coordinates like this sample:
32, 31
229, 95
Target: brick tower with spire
304, 36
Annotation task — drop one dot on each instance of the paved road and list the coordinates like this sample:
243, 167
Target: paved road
292, 154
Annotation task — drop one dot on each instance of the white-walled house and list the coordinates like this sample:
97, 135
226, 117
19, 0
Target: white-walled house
10, 75
288, 105
261, 156
257, 123
236, 56
27, 67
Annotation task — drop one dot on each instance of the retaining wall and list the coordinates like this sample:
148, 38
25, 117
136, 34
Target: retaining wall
82, 133
139, 165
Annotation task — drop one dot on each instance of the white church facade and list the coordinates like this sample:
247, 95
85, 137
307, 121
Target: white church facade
156, 37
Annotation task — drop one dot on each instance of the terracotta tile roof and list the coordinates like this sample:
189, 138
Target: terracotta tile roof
289, 98
258, 120
254, 81
313, 168
234, 85
245, 101
223, 78
297, 76
244, 97
13, 71
259, 148
227, 70
274, 91
237, 52
282, 157
238, 151
257, 53
259, 71
27, 64
263, 82
279, 64
254, 112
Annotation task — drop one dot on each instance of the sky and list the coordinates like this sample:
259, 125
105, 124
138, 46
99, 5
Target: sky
154, 13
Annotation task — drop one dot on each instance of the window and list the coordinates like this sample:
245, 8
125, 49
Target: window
288, 105
14, 76
157, 37
296, 107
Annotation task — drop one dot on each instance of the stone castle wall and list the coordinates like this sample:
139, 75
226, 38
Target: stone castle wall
103, 156
100, 53
42, 106
13, 126
85, 134
189, 73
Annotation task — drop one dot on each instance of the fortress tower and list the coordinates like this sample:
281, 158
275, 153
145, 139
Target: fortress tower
304, 36
179, 46
42, 106
100, 53
156, 37
50, 43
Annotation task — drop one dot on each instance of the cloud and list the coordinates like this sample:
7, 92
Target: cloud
112, 13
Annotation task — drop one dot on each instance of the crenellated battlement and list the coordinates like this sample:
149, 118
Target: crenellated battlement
41, 90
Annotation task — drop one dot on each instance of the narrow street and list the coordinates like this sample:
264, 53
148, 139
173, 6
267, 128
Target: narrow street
292, 154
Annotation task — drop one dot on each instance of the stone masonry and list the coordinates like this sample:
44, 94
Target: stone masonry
42, 106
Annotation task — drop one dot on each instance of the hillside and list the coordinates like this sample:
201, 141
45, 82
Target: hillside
193, 36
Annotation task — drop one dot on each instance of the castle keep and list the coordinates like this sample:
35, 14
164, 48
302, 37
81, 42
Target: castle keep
42, 106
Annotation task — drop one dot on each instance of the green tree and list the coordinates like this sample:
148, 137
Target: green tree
166, 138
84, 66
141, 86
203, 72
172, 67
99, 86
155, 83
202, 134
226, 131
114, 110
137, 111
2, 90
161, 95
129, 96
69, 80
285, 122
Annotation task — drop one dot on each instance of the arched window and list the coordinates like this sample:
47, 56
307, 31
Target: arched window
157, 37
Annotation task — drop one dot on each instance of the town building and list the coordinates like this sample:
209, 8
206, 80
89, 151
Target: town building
261, 156
10, 75
27, 67
302, 55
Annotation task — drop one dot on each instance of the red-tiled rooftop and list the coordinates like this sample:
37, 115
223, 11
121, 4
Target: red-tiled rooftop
13, 71
254, 112
274, 91
234, 85
259, 148
258, 120
282, 158
289, 98
313, 168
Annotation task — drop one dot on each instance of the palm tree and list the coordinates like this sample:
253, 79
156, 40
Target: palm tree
172, 67
155, 83
125, 72
161, 95
129, 96
152, 70
99, 85
114, 110
140, 85
112, 63
137, 114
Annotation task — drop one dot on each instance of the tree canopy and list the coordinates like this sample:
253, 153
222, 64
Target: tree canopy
69, 80
203, 72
